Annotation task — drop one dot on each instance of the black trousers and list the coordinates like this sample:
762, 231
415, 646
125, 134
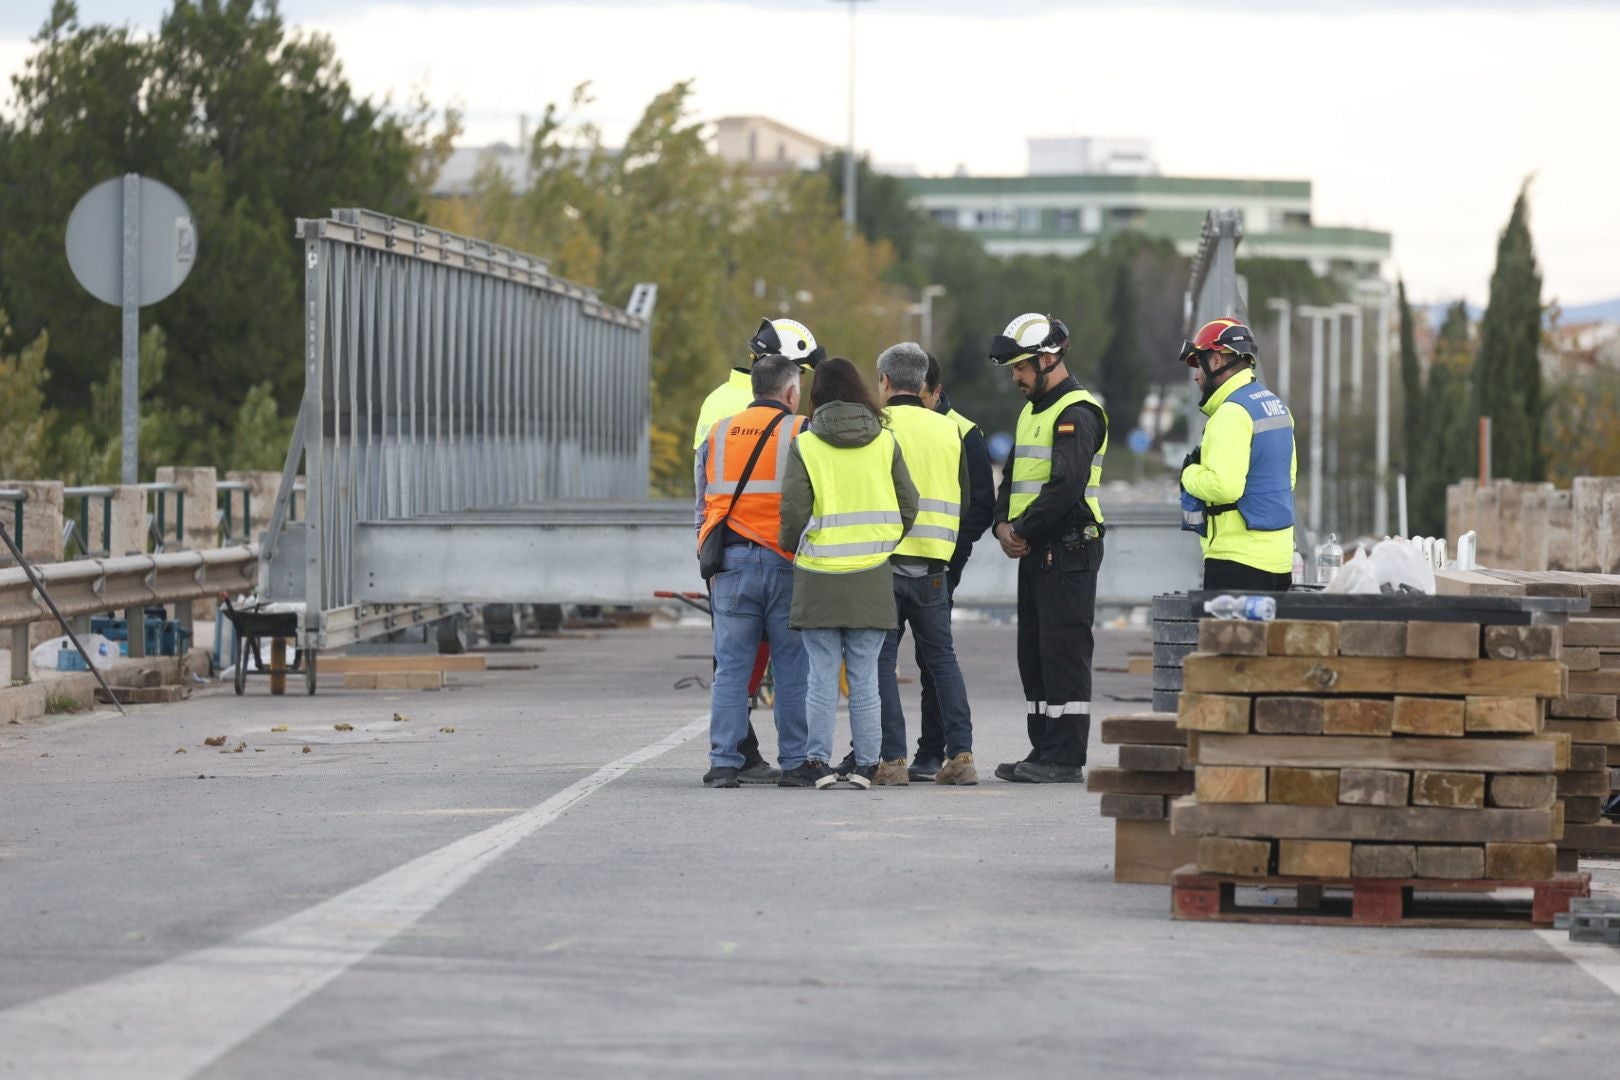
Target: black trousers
1227, 575
1057, 603
931, 731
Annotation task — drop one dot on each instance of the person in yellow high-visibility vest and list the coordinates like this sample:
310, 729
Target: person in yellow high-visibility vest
775, 337
1048, 517
847, 500
932, 447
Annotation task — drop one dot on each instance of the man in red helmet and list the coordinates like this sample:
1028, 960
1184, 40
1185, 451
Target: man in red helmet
1237, 487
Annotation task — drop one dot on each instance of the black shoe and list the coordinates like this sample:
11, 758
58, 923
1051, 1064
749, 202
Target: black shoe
862, 776
1046, 772
846, 766
758, 771
924, 769
798, 776
822, 775
720, 776
1008, 770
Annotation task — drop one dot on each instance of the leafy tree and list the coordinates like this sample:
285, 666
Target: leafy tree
1411, 381
1122, 372
1507, 371
725, 249
1582, 438
1447, 443
254, 125
23, 415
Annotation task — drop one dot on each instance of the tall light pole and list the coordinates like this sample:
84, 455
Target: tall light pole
1319, 317
1284, 329
849, 148
1381, 292
925, 309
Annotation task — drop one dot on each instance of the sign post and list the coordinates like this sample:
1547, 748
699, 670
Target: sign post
131, 242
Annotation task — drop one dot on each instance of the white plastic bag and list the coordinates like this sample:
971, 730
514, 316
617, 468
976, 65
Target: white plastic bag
1355, 576
1400, 568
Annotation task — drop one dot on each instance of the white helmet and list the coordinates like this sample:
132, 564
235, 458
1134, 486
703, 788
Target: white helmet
1027, 335
789, 338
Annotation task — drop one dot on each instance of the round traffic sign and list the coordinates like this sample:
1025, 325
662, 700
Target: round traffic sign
166, 240
1139, 441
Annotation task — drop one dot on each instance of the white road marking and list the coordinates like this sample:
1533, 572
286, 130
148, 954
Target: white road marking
1602, 962
176, 1018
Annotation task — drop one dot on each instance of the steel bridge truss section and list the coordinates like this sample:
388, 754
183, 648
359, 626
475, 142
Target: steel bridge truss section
446, 376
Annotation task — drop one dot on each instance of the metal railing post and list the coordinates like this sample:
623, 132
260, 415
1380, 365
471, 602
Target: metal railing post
19, 651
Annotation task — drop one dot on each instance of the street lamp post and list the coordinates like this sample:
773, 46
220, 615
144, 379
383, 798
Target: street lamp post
925, 309
1319, 317
1284, 329
849, 148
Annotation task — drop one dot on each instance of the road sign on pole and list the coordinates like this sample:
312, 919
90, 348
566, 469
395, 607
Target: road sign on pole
131, 242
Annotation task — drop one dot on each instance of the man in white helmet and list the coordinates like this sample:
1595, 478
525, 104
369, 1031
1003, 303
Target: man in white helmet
781, 337
1048, 518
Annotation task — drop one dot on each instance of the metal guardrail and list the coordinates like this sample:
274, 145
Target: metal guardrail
17, 499
129, 584
445, 375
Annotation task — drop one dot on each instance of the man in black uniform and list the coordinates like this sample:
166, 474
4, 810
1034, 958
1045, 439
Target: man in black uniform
1048, 518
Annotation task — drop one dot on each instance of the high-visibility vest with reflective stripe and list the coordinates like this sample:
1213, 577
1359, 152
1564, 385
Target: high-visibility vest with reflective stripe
855, 514
732, 396
1032, 455
963, 424
932, 447
758, 514
1267, 502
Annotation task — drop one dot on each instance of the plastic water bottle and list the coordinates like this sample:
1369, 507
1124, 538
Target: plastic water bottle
1298, 575
1329, 557
1253, 608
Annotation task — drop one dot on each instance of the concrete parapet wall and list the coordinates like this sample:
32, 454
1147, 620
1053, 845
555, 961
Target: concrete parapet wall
128, 537
262, 487
42, 520
1533, 526
201, 485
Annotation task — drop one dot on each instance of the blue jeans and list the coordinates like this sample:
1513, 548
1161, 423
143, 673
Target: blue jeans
751, 597
858, 651
925, 603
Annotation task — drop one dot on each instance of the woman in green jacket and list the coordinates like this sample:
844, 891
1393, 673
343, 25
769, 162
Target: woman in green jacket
846, 502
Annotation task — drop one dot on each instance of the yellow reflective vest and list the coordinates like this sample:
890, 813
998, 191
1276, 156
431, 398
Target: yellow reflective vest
729, 398
1221, 476
1032, 455
932, 447
855, 517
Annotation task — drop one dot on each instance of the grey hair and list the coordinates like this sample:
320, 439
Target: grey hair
772, 374
906, 366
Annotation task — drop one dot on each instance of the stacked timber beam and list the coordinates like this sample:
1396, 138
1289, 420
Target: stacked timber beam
1380, 756
1153, 769
1587, 712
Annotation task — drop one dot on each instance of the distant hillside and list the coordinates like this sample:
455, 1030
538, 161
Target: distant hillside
1602, 311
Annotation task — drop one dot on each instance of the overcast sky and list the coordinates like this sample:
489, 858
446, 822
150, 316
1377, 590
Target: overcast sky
1416, 117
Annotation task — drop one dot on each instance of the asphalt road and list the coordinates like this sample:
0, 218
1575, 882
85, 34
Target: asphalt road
547, 890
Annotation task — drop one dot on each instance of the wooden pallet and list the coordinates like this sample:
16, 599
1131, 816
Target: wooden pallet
1378, 902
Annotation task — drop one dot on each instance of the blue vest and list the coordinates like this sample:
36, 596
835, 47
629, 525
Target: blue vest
1267, 502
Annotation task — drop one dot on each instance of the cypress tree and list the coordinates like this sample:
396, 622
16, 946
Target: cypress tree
1507, 370
1411, 384
1121, 373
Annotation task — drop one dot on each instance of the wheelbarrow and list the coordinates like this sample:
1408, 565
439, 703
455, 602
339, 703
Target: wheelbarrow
253, 623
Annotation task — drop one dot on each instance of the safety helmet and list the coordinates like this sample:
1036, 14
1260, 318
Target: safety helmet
1226, 336
1028, 335
788, 338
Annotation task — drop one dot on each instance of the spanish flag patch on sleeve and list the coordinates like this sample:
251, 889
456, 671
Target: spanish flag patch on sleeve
1064, 429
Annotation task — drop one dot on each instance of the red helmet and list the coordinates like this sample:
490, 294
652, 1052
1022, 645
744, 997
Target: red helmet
1223, 335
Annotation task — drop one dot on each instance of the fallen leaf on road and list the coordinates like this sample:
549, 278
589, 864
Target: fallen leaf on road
214, 740
448, 730
279, 727
342, 727
181, 750
398, 718
306, 749
241, 746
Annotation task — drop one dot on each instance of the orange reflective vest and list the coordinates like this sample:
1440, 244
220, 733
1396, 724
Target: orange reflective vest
758, 514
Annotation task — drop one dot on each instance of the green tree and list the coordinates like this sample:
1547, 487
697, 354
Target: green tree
725, 249
1121, 371
254, 125
1411, 381
23, 415
1446, 446
1507, 371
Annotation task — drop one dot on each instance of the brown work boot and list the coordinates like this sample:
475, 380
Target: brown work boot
958, 770
892, 773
